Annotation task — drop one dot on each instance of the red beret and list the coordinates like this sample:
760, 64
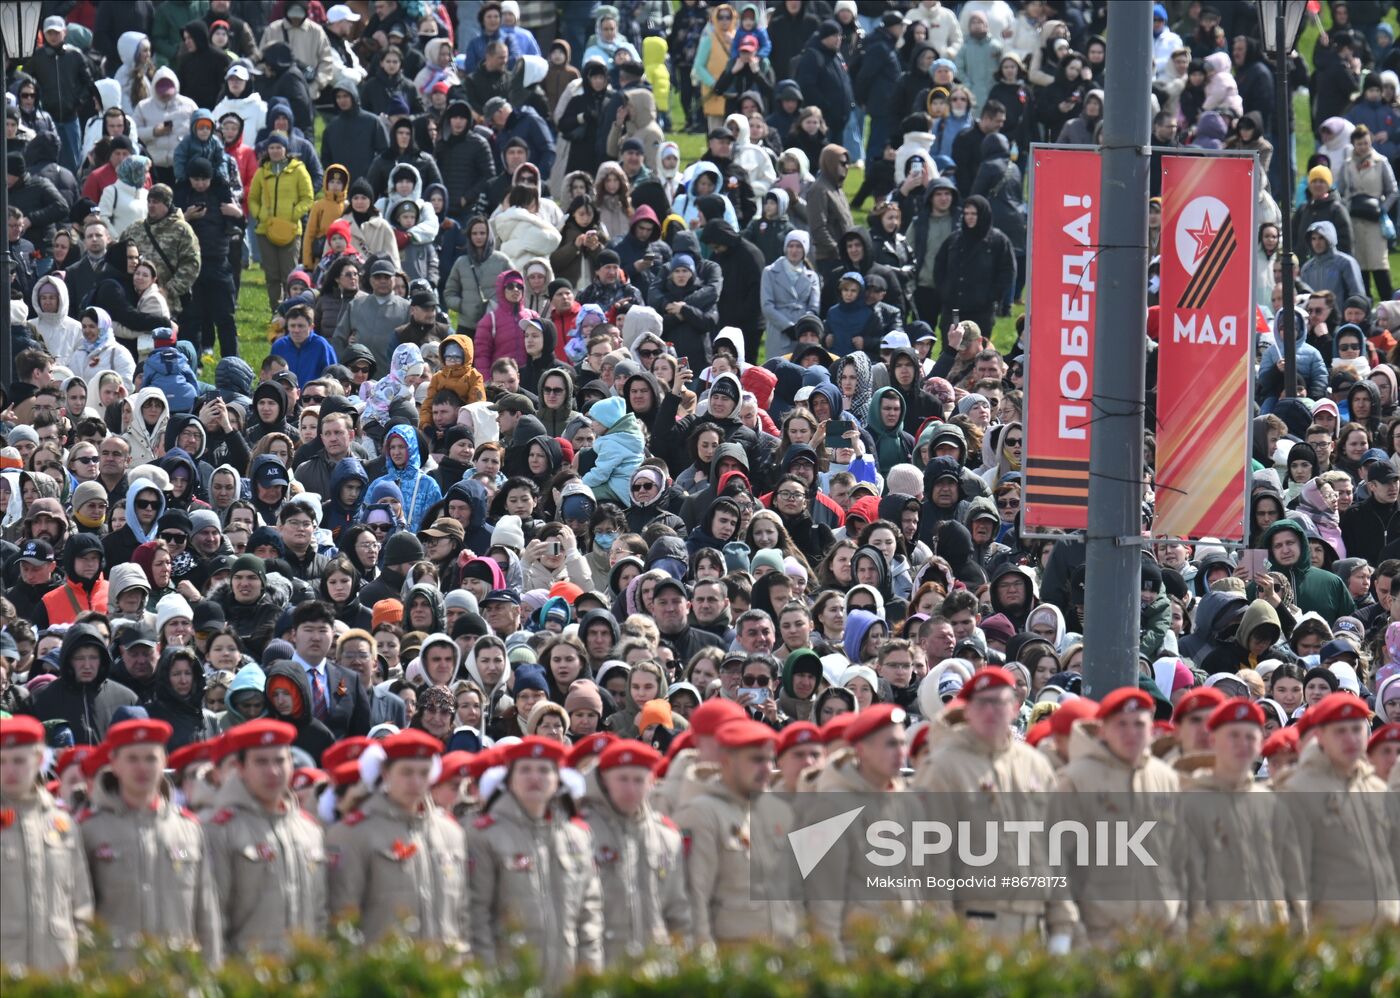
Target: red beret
1069, 711
1239, 710
588, 747
990, 678
744, 733
1336, 707
1282, 740
628, 752
834, 730
95, 760
455, 766
20, 730
919, 739
1385, 733
187, 755
1039, 731
533, 747
308, 776
1200, 698
345, 750
1125, 698
347, 774
410, 744
798, 733
483, 761
872, 719
143, 731
706, 719
74, 757
262, 733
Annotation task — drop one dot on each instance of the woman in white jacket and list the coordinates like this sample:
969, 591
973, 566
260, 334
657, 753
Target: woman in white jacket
788, 290
137, 70
97, 350
522, 235
96, 129
150, 299
163, 119
763, 172
58, 333
123, 203
240, 98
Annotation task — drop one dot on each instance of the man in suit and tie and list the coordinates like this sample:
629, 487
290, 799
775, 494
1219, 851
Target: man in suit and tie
338, 698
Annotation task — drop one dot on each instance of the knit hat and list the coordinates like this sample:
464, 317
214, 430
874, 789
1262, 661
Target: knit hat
604, 257
1320, 173
584, 695
172, 606
161, 193
656, 711
904, 479
528, 677
199, 168
250, 563
966, 403
26, 432
828, 28
199, 518
508, 533
84, 493
385, 611
277, 139
771, 557
402, 548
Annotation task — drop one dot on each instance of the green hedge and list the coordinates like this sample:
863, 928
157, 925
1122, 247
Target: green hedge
929, 957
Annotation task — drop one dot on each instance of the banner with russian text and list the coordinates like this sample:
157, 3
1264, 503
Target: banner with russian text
1204, 351
1060, 336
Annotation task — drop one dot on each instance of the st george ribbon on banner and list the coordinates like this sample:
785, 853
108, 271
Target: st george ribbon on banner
1060, 336
1205, 346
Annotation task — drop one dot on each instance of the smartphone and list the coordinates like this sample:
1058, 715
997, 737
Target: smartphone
836, 429
1254, 561
757, 695
554, 548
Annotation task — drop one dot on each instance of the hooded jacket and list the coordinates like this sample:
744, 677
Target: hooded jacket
355, 136
1332, 269
185, 714
498, 334
976, 267
86, 707
892, 445
478, 533
313, 737
419, 490
464, 379
152, 113
335, 516
1311, 366
1314, 589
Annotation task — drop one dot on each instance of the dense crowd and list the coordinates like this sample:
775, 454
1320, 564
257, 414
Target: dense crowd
587, 492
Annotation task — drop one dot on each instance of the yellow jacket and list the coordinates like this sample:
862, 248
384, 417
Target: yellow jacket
654, 53
279, 195
327, 209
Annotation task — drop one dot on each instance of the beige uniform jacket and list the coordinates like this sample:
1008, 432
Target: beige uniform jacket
718, 832
534, 886
151, 876
1097, 786
641, 873
45, 896
400, 873
1349, 845
269, 870
1001, 783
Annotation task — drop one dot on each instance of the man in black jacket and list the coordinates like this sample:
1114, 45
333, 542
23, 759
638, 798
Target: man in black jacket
465, 159
83, 695
671, 605
741, 263
822, 75
36, 198
85, 275
967, 147
65, 86
209, 207
354, 137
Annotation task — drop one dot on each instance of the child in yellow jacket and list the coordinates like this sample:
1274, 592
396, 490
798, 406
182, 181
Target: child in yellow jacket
328, 207
654, 54
458, 374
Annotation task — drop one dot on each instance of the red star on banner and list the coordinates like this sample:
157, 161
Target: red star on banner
1203, 236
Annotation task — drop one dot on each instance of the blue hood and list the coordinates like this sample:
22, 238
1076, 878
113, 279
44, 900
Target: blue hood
858, 624
347, 468
131, 493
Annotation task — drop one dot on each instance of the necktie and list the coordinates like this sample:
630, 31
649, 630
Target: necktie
318, 694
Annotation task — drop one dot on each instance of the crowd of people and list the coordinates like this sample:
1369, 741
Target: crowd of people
586, 493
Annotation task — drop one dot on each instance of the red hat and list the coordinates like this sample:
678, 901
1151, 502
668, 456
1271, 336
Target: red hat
569, 590
1039, 731
1069, 711
142, 731
1282, 740
745, 734
410, 744
1336, 707
628, 752
261, 733
872, 719
799, 733
1125, 698
345, 750
588, 747
455, 766
308, 776
1385, 733
1239, 710
20, 730
567, 448
187, 755
919, 739
1200, 698
73, 756
749, 44
347, 774
440, 87
483, 761
706, 719
990, 678
533, 747
95, 760
834, 730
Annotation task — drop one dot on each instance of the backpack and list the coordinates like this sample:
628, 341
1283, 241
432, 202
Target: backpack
167, 370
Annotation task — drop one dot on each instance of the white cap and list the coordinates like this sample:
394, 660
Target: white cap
339, 13
893, 340
804, 393
238, 71
55, 23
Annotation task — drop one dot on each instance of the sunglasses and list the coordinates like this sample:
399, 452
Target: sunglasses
554, 391
361, 369
1013, 442
147, 504
93, 458
1008, 504
649, 353
379, 528
312, 399
759, 680
643, 487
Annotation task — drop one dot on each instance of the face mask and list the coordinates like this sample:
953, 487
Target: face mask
604, 542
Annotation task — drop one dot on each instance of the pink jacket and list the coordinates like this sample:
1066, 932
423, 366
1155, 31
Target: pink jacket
498, 334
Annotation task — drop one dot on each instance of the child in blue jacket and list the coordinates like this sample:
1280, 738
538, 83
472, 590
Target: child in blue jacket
619, 447
169, 370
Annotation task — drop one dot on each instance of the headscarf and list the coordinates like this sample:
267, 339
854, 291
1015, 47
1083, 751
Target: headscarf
391, 388
104, 335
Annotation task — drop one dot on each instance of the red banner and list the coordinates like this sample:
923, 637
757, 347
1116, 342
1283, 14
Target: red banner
1060, 336
1204, 346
